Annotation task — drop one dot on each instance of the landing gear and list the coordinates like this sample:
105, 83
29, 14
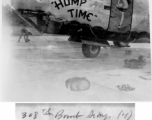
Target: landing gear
121, 44
74, 38
90, 51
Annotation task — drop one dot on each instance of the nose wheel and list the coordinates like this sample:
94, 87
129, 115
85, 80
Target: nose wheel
121, 44
90, 51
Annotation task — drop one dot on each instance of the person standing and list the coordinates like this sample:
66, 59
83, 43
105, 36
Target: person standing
122, 6
25, 33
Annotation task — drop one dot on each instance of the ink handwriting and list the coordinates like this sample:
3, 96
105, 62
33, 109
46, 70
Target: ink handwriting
123, 115
99, 115
62, 114
47, 111
34, 115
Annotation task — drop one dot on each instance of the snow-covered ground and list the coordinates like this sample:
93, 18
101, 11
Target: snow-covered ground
37, 71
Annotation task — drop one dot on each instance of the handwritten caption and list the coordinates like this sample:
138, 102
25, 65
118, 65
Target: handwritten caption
61, 115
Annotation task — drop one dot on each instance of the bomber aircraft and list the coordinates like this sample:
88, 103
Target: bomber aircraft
91, 22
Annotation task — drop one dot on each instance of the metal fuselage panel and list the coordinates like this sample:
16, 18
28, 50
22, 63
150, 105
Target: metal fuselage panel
90, 12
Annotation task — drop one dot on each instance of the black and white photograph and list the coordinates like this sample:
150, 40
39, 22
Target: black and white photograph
75, 111
75, 51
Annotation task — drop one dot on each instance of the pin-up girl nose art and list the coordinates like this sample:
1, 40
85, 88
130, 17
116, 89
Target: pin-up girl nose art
122, 6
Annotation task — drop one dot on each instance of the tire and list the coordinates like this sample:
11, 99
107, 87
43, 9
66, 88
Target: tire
121, 44
90, 51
